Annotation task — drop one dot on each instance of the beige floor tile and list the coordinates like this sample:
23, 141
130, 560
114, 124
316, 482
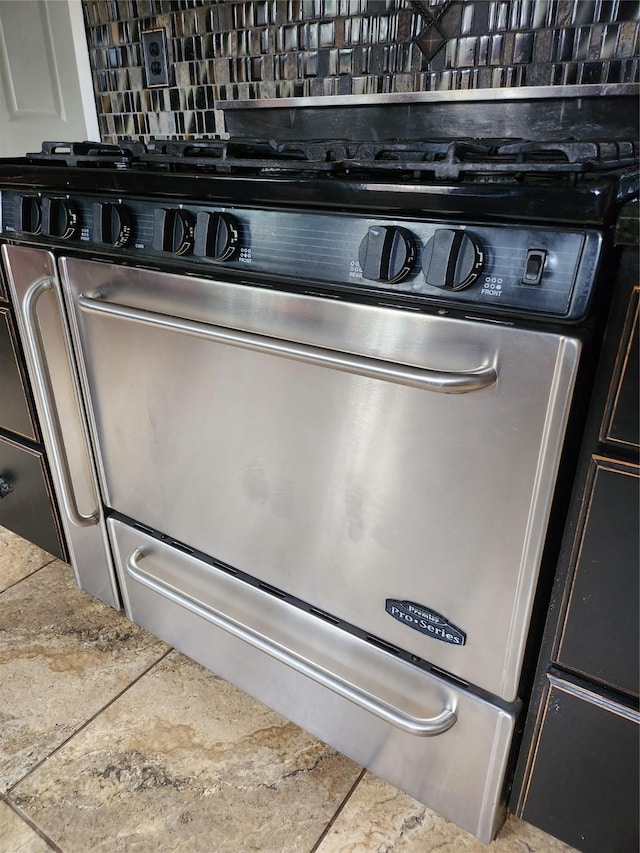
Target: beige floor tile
380, 819
18, 558
183, 761
16, 836
63, 656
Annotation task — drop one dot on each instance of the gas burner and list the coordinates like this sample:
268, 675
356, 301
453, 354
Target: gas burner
97, 155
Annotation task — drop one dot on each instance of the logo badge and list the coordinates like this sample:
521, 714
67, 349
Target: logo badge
427, 621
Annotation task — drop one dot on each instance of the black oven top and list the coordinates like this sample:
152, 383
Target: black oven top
502, 227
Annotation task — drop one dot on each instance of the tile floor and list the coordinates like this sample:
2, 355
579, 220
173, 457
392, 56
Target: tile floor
111, 740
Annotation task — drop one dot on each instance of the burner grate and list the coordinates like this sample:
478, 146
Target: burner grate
465, 160
245, 155
88, 154
471, 159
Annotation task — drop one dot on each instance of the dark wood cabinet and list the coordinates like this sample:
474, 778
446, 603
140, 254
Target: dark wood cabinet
578, 771
584, 789
28, 508
621, 424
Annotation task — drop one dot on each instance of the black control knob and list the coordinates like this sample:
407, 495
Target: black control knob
29, 214
217, 236
387, 253
60, 218
112, 223
173, 231
452, 259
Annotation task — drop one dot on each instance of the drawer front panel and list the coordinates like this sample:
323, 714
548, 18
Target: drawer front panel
600, 637
28, 509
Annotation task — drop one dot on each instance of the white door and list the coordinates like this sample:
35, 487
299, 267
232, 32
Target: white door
45, 78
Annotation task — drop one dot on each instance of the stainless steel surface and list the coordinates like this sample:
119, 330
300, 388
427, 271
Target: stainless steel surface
51, 422
505, 93
443, 381
340, 489
459, 773
37, 299
171, 584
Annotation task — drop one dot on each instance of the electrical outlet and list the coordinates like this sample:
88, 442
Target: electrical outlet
156, 61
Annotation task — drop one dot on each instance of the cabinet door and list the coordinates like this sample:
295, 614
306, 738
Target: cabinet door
28, 509
600, 637
585, 786
15, 413
621, 425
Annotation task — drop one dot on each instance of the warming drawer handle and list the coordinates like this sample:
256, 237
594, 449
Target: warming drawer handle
445, 382
50, 415
429, 727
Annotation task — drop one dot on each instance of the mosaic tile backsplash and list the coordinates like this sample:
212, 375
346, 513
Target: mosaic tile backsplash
247, 50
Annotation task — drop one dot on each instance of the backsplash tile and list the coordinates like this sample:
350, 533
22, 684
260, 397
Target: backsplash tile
246, 50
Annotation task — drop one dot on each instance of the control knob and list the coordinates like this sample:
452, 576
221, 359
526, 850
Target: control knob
173, 231
29, 214
217, 235
112, 223
452, 259
387, 253
60, 218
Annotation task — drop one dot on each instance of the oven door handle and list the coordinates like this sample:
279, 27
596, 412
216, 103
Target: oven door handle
445, 382
422, 727
49, 412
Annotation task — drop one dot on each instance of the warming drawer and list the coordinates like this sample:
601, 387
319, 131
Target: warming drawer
441, 744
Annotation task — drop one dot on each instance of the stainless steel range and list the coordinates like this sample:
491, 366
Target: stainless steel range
306, 406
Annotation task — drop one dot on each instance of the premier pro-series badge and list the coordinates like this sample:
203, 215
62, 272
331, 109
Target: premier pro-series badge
427, 621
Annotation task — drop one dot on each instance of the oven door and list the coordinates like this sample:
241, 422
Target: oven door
394, 470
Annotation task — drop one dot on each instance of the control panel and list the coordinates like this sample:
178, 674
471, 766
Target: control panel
534, 270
